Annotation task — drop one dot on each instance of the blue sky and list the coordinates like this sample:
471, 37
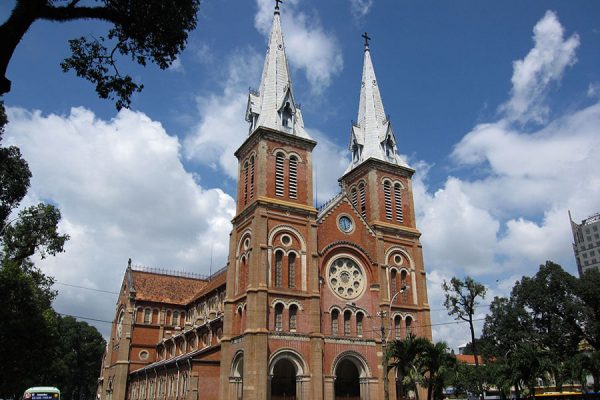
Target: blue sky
496, 104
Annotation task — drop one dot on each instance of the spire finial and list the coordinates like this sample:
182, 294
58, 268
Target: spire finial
366, 37
277, 6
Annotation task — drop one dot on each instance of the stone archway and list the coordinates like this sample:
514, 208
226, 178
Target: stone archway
347, 381
236, 376
288, 379
283, 380
351, 377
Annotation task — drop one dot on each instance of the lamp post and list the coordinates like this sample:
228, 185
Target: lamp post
384, 341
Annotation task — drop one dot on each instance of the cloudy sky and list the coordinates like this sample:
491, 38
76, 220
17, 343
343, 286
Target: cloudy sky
496, 105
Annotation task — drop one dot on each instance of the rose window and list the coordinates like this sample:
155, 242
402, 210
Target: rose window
346, 278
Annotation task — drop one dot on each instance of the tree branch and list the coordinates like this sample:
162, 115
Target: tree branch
69, 13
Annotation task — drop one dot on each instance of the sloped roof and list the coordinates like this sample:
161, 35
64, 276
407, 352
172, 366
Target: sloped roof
469, 359
217, 280
164, 288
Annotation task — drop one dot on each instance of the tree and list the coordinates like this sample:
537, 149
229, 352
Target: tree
403, 355
587, 290
78, 359
28, 330
461, 303
145, 31
436, 364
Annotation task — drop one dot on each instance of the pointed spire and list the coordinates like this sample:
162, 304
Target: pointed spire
372, 135
272, 105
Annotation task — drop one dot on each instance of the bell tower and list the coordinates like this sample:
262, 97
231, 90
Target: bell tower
272, 278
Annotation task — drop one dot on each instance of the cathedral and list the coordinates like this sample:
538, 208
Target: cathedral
309, 297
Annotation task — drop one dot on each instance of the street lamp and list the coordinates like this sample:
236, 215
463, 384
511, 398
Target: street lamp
384, 341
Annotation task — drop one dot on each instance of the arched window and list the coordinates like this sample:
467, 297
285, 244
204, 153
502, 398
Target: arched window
408, 326
398, 201
279, 317
293, 317
347, 316
397, 326
354, 195
387, 192
279, 174
278, 267
251, 177
292, 270
246, 173
393, 286
334, 322
363, 200
293, 180
404, 285
175, 321
242, 279
287, 116
359, 324
147, 315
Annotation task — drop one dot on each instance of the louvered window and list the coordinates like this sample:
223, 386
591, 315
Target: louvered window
387, 192
246, 183
293, 183
408, 326
293, 316
292, 270
252, 177
363, 200
279, 174
359, 324
354, 198
279, 317
347, 316
393, 287
278, 260
334, 322
398, 201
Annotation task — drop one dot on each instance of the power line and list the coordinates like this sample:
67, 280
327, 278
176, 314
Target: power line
86, 288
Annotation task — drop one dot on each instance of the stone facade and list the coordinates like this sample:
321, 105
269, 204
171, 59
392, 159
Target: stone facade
309, 296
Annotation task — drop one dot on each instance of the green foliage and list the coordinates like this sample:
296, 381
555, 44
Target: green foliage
28, 330
587, 290
141, 30
78, 358
437, 366
403, 355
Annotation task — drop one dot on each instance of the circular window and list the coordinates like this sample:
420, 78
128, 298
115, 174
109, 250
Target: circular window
398, 259
346, 278
286, 240
144, 355
246, 243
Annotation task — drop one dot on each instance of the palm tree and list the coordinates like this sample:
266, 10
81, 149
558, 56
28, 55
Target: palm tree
436, 364
403, 355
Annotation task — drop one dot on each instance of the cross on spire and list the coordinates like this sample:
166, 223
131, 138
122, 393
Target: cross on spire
277, 6
366, 36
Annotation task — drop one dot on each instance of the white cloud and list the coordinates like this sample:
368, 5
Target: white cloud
506, 212
222, 127
593, 89
177, 66
123, 192
329, 163
360, 8
308, 46
544, 63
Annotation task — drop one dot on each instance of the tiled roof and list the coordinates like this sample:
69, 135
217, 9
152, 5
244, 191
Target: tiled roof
217, 280
166, 288
469, 359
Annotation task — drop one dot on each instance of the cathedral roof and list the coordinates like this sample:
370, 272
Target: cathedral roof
273, 105
164, 288
372, 135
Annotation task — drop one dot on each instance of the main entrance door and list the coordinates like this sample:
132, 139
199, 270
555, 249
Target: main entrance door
283, 382
347, 383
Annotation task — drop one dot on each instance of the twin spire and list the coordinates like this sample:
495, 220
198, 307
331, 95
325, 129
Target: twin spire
371, 135
273, 105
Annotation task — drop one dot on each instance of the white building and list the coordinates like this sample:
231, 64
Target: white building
586, 243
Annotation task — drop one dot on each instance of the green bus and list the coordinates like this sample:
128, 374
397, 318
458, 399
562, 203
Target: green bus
42, 393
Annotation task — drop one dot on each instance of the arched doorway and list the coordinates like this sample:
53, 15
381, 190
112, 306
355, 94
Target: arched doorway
283, 381
347, 381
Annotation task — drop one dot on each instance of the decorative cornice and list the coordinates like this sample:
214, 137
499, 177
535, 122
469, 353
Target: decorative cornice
373, 163
347, 244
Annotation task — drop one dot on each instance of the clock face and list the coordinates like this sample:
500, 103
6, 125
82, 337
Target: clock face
345, 224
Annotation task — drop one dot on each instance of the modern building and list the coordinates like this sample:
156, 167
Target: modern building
586, 243
309, 297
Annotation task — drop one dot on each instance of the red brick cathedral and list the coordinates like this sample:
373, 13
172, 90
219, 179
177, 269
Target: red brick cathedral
309, 296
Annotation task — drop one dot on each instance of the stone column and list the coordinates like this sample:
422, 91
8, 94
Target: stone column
364, 388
